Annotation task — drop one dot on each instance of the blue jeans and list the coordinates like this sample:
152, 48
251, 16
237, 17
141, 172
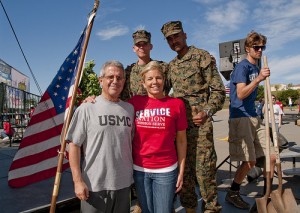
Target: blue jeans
4, 135
156, 190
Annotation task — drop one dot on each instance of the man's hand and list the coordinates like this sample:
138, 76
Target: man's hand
199, 118
90, 99
264, 72
81, 190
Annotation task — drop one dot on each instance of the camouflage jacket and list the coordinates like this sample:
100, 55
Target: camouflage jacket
196, 80
133, 84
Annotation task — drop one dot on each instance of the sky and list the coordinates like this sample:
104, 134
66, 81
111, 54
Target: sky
49, 30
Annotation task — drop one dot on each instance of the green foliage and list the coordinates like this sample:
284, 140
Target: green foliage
89, 84
289, 85
260, 92
283, 96
31, 102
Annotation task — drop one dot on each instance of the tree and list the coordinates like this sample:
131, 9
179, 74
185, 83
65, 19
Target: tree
89, 84
290, 85
283, 95
276, 87
260, 92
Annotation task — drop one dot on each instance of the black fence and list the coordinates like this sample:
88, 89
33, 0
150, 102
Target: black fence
15, 105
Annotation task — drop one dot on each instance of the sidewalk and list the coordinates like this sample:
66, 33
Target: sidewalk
255, 189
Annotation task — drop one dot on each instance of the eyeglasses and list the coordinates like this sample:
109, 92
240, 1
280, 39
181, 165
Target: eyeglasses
112, 78
257, 48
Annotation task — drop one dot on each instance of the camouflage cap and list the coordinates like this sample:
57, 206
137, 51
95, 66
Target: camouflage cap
171, 27
141, 35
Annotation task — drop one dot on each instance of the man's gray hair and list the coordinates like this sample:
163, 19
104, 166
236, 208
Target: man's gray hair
111, 63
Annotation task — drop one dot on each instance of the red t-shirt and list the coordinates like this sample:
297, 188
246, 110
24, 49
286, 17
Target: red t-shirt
157, 122
31, 112
280, 104
8, 129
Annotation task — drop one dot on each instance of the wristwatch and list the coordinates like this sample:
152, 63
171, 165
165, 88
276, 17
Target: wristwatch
208, 112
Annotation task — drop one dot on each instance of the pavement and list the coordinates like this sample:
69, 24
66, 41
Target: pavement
37, 196
255, 189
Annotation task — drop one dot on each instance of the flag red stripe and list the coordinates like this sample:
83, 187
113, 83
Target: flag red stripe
35, 158
45, 97
25, 180
41, 136
68, 101
50, 113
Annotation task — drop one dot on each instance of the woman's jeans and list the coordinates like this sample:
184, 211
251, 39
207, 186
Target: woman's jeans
156, 190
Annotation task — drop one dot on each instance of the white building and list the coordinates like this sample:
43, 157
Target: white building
278, 87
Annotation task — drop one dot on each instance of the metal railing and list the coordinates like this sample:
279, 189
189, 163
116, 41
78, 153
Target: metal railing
15, 105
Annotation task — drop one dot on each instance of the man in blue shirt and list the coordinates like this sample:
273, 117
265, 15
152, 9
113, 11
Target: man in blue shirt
246, 132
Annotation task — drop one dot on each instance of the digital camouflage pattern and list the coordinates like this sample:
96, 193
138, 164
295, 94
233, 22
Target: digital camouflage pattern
141, 35
196, 80
133, 84
171, 28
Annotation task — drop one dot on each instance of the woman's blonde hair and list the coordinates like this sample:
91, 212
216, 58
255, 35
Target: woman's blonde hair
152, 65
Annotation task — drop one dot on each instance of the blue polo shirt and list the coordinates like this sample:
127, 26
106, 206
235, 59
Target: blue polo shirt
244, 72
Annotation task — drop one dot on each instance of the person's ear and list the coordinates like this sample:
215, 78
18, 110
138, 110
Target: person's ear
100, 81
133, 49
247, 49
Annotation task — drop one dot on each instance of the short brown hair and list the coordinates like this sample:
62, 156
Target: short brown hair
254, 38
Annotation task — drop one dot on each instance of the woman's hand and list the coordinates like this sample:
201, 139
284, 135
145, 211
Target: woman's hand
179, 183
91, 99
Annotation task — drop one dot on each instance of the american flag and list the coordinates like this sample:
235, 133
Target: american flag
227, 89
37, 156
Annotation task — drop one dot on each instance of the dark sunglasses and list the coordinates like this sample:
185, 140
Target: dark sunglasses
257, 48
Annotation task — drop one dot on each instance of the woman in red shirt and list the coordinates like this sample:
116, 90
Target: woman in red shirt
158, 162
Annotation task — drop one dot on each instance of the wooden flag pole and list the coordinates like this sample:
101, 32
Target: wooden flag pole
70, 111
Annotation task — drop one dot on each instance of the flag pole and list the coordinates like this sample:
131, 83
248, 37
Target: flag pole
70, 111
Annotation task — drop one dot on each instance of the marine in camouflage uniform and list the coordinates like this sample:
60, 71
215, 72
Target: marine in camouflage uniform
195, 80
133, 85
